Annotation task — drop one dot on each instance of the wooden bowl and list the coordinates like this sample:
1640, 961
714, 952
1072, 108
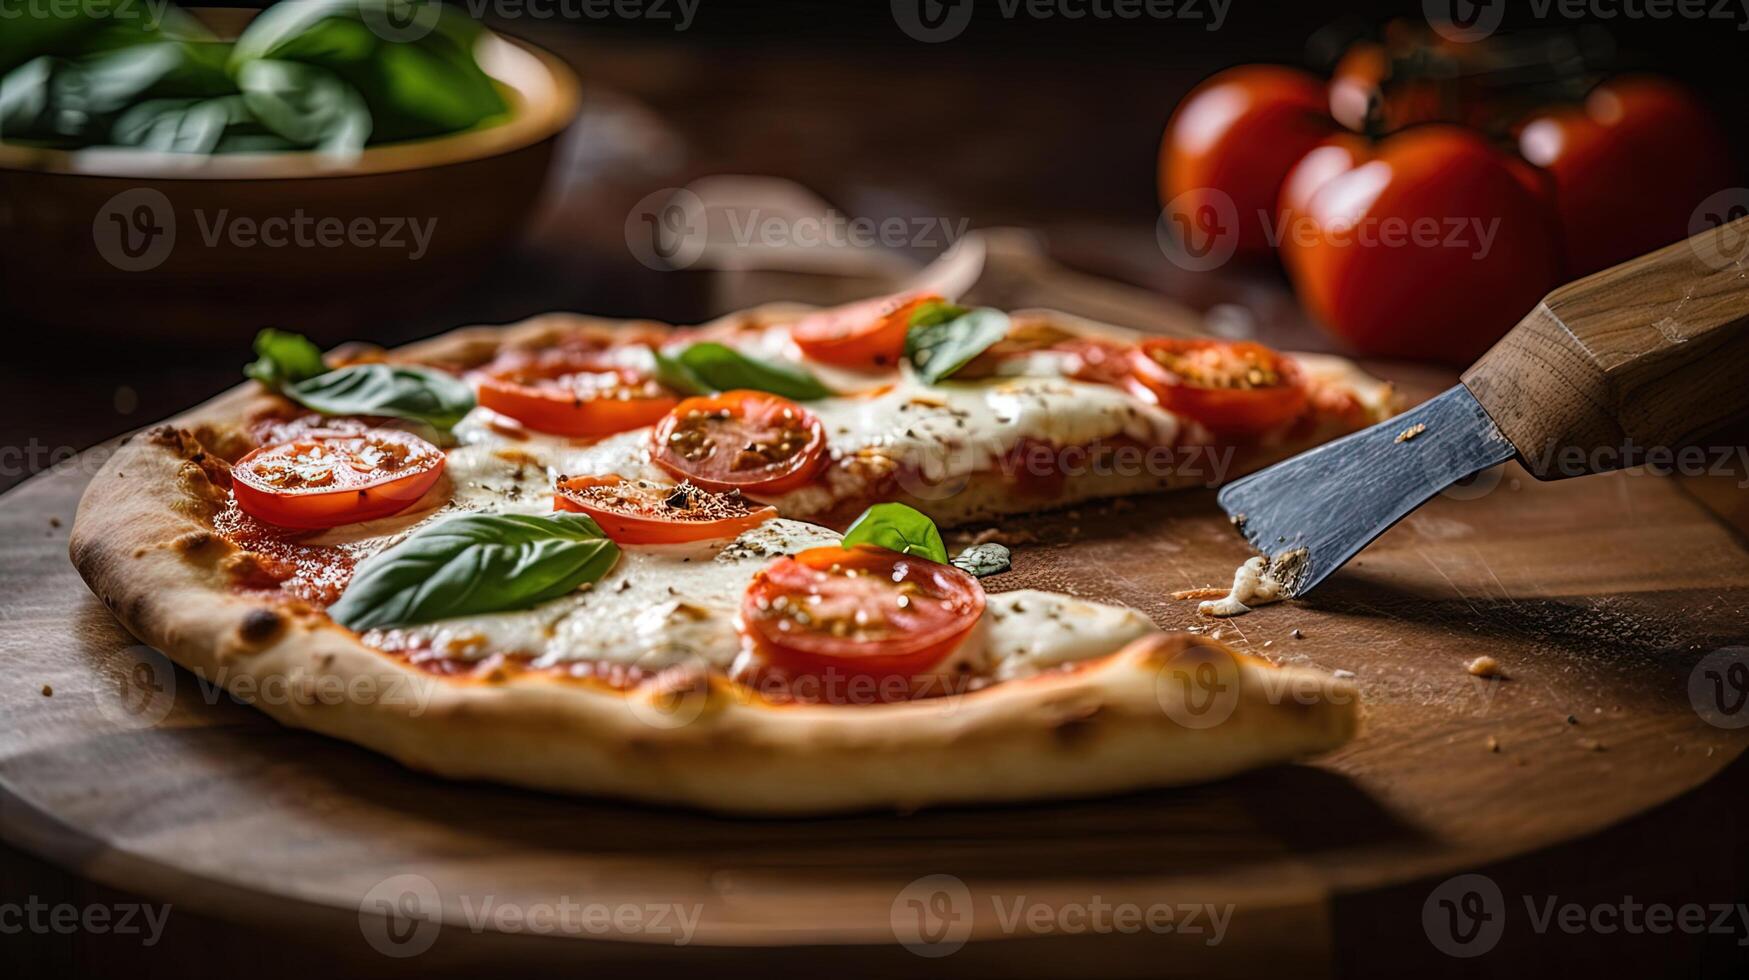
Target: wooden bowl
189, 247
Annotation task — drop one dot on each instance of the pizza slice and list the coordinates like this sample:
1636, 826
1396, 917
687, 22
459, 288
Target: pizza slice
602, 559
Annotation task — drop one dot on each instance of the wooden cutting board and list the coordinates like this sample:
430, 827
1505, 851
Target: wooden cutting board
1598, 597
1601, 598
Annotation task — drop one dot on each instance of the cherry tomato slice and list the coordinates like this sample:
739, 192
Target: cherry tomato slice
571, 392
869, 335
644, 512
342, 479
860, 611
740, 440
1234, 388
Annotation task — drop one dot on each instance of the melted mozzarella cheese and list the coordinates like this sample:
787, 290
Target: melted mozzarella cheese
676, 605
1259, 581
926, 435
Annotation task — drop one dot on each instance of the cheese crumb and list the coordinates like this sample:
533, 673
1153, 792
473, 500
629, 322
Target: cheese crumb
1257, 582
1411, 432
1484, 666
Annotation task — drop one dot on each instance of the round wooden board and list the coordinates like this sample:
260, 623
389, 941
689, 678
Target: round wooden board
1598, 597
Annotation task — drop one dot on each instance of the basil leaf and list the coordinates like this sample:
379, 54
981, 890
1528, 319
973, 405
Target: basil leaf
713, 367
980, 560
937, 349
180, 125
935, 312
898, 528
675, 376
307, 105
423, 84
397, 390
477, 563
284, 358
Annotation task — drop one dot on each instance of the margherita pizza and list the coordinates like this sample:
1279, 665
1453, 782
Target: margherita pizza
702, 566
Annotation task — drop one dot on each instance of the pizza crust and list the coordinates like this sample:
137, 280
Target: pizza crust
1165, 710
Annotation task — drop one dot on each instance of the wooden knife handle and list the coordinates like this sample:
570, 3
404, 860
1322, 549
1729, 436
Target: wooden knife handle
1650, 355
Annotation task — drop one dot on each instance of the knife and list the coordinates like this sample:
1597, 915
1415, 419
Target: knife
1645, 357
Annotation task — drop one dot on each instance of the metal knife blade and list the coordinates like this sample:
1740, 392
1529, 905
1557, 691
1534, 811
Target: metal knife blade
1335, 499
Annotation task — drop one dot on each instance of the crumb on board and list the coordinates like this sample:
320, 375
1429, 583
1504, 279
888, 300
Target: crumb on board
48, 692
1484, 666
1342, 675
1493, 744
1010, 537
1238, 520
54, 522
1591, 745
1572, 720
1411, 432
1205, 593
1297, 634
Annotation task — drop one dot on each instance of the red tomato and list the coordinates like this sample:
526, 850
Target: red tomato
1234, 388
869, 335
1238, 134
642, 512
859, 611
1629, 168
740, 440
341, 479
566, 391
1429, 244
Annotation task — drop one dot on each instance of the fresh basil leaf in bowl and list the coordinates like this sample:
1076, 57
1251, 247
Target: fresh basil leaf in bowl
941, 342
984, 559
897, 528
306, 105
709, 367
423, 82
397, 390
181, 125
476, 563
284, 358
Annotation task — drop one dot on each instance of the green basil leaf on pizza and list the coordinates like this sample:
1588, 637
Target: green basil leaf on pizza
284, 358
984, 559
398, 391
945, 338
898, 528
473, 564
708, 367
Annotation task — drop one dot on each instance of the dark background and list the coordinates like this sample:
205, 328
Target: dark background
1051, 124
